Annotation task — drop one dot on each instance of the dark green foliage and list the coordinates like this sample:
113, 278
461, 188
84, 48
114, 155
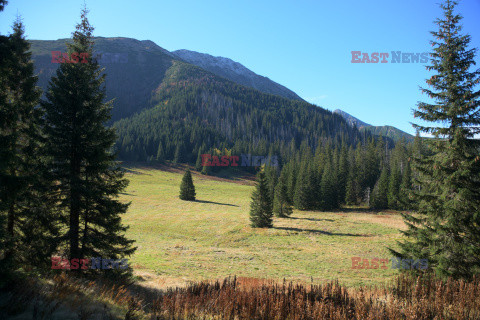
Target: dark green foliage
447, 229
342, 174
406, 189
187, 189
328, 193
282, 206
351, 192
198, 163
78, 147
271, 174
27, 222
261, 213
302, 191
206, 170
393, 194
160, 153
379, 198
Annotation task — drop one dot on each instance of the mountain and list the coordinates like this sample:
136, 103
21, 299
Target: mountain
351, 119
385, 131
235, 72
131, 82
196, 112
166, 108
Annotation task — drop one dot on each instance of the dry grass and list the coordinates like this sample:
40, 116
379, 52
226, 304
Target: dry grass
181, 241
410, 298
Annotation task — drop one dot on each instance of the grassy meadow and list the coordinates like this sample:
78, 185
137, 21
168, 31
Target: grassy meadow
180, 241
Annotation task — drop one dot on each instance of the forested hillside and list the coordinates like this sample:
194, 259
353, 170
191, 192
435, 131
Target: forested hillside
197, 111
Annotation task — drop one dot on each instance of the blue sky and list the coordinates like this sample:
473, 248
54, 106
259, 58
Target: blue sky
304, 45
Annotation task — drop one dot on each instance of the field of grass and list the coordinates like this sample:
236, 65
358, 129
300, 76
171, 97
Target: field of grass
180, 241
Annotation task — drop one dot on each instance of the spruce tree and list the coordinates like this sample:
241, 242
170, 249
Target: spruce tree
187, 189
281, 204
302, 191
342, 173
447, 230
30, 224
380, 191
351, 192
5, 150
352, 186
394, 188
261, 213
198, 163
160, 153
78, 147
405, 193
329, 198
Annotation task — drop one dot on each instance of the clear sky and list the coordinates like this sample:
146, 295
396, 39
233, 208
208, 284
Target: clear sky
304, 45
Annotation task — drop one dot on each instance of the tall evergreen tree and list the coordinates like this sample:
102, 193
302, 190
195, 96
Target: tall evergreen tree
30, 226
342, 173
281, 204
187, 189
198, 163
160, 153
302, 191
271, 174
394, 182
5, 144
261, 213
447, 231
406, 190
380, 191
351, 192
78, 147
329, 198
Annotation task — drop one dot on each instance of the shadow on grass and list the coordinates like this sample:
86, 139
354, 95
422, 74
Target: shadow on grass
311, 219
219, 203
127, 194
369, 211
315, 231
132, 171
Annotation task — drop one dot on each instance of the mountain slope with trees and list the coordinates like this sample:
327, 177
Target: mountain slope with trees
196, 111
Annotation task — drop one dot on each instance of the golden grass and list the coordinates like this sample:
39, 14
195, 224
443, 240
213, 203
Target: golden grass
180, 241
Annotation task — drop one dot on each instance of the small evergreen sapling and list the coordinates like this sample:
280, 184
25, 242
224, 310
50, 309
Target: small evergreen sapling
187, 189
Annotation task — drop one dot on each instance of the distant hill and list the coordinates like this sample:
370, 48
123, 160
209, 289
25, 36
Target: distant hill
167, 108
385, 131
235, 72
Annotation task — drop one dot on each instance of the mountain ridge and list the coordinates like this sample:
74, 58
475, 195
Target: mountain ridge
387, 131
236, 72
